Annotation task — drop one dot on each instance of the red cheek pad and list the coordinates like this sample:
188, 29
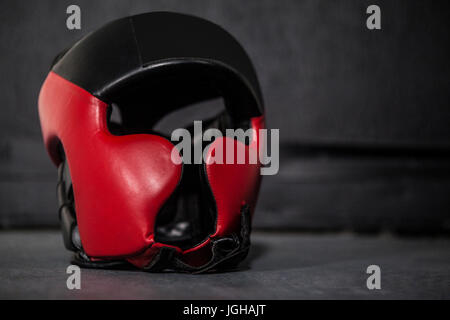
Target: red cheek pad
119, 192
232, 185
119, 182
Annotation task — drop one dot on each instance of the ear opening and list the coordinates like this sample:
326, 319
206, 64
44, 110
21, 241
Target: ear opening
55, 150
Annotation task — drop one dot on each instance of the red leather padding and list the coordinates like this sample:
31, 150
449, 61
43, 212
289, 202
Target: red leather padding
119, 182
232, 185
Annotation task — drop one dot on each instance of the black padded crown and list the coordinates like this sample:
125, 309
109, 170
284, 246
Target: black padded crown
113, 62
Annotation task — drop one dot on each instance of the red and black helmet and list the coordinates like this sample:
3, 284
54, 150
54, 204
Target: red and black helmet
122, 198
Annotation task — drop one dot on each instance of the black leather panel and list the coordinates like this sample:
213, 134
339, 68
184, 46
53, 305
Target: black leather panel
132, 52
165, 35
101, 57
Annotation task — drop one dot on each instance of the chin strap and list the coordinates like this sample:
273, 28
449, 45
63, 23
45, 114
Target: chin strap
226, 252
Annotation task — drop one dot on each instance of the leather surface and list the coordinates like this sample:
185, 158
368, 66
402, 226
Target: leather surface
119, 182
234, 185
134, 47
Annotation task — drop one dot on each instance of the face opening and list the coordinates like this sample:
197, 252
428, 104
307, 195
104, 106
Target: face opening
158, 107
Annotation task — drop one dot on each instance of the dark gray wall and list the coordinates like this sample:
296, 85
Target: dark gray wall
345, 98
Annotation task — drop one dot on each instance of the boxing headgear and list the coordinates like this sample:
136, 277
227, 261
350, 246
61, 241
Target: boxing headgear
122, 197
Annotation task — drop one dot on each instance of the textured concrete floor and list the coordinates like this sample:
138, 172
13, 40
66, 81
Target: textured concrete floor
281, 266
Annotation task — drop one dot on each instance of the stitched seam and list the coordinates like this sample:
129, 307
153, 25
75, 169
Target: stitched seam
133, 31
